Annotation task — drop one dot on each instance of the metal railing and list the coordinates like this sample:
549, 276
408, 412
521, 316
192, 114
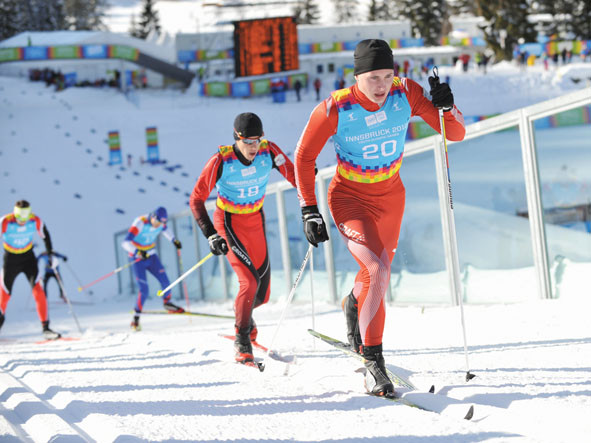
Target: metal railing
523, 119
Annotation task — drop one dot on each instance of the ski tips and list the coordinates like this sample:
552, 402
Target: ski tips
470, 413
432, 389
469, 376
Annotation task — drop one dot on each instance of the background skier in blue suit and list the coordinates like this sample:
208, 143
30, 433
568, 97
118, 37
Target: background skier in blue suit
140, 242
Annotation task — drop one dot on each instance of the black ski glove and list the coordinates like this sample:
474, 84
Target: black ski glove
314, 226
177, 243
441, 95
143, 254
217, 244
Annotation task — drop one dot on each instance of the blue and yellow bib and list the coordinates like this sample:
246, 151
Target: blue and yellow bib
370, 145
241, 189
146, 238
18, 239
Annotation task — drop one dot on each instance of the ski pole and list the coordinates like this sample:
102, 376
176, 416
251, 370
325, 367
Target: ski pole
291, 294
59, 281
119, 269
185, 290
312, 295
76, 277
454, 257
182, 277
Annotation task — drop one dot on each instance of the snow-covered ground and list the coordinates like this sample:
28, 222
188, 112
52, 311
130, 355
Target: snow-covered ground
175, 381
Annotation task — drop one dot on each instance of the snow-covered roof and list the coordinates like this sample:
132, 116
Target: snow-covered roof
49, 38
56, 38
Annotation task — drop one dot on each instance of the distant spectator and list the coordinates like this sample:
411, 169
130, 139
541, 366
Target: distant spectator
411, 66
297, 86
129, 160
531, 60
317, 86
479, 60
396, 69
545, 60
341, 83
465, 59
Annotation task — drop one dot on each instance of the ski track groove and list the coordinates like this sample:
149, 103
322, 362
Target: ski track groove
69, 421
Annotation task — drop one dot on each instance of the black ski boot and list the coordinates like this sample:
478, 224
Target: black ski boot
350, 308
135, 323
376, 377
171, 307
48, 333
243, 346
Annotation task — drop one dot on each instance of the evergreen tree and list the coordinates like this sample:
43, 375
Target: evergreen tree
84, 15
306, 12
149, 20
54, 12
133, 29
581, 20
345, 10
462, 7
38, 15
569, 18
381, 10
507, 23
427, 18
9, 18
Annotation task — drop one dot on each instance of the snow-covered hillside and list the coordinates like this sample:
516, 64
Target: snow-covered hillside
54, 150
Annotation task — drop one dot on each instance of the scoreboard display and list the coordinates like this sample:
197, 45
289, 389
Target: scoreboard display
264, 46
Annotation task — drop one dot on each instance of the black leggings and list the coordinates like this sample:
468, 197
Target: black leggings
14, 264
46, 278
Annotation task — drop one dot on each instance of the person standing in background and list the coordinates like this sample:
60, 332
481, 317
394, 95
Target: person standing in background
317, 86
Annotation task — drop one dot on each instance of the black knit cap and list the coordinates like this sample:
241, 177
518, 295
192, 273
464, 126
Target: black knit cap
372, 54
248, 125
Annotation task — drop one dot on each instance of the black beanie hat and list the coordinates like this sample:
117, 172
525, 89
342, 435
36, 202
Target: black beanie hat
248, 125
372, 54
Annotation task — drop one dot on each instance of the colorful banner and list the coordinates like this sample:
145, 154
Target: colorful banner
114, 148
248, 89
123, 52
153, 154
240, 89
11, 54
65, 52
68, 52
203, 55
35, 53
95, 51
260, 87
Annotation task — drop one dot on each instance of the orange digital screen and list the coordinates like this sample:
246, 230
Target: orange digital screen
266, 45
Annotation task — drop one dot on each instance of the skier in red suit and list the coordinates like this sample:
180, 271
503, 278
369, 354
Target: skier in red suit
240, 172
366, 197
